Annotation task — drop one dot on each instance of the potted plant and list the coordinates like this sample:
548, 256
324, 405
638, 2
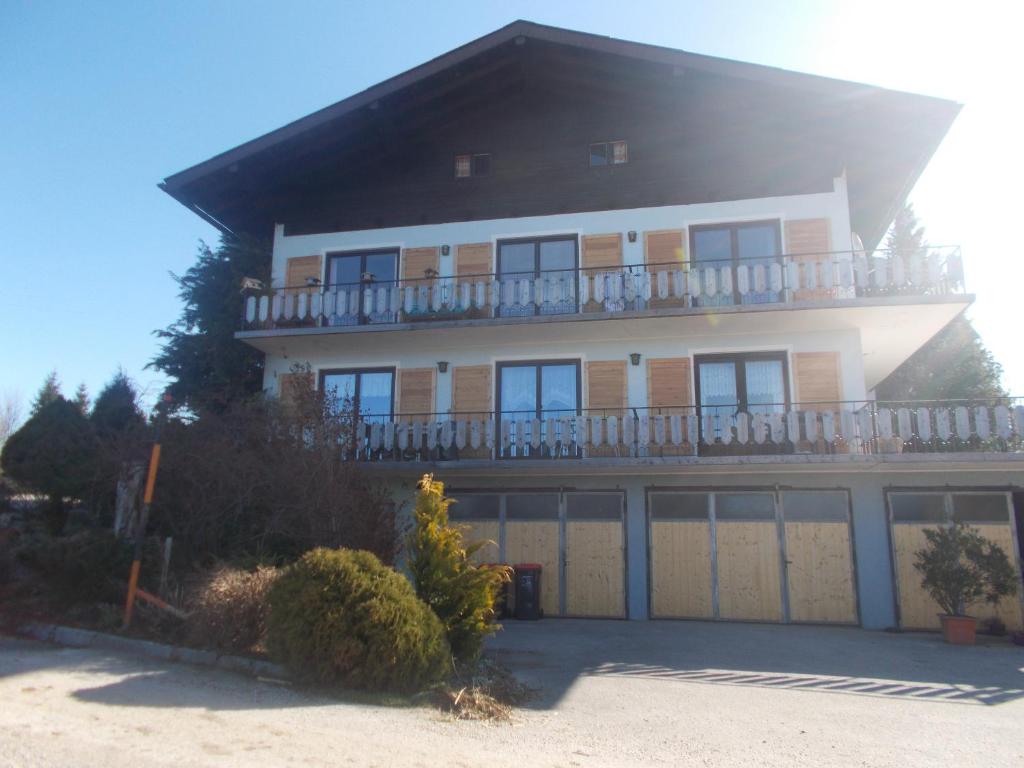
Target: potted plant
959, 566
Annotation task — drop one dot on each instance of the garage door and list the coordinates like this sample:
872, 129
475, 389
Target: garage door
751, 556
578, 539
532, 524
819, 557
911, 512
595, 572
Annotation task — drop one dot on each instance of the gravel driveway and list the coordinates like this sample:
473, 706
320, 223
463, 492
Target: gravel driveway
612, 693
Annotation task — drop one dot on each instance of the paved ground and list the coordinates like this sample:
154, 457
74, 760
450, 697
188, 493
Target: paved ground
613, 693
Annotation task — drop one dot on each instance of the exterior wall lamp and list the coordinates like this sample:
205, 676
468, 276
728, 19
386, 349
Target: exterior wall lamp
442, 366
445, 250
631, 235
634, 358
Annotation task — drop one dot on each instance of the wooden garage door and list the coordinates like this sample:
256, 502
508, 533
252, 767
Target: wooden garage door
720, 555
819, 561
532, 536
911, 512
595, 572
479, 516
748, 557
680, 556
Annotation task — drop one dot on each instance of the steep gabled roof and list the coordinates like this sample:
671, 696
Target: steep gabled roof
918, 123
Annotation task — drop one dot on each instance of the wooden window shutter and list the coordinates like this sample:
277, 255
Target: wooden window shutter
809, 242
471, 391
299, 269
808, 236
473, 259
416, 393
290, 385
602, 251
606, 385
818, 382
416, 262
664, 247
668, 385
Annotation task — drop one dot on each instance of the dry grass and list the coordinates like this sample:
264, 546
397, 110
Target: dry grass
229, 608
487, 692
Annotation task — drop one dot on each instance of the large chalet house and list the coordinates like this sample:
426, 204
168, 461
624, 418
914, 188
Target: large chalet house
629, 303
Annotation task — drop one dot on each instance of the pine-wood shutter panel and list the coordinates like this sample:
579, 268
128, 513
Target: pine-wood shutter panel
299, 269
416, 262
606, 386
473, 259
663, 249
602, 251
471, 391
668, 385
809, 242
288, 387
818, 383
416, 393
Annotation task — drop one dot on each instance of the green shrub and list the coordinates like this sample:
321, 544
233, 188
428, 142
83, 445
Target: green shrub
959, 566
88, 567
229, 608
341, 617
460, 593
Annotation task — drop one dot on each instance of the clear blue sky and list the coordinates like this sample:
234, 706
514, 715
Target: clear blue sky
100, 101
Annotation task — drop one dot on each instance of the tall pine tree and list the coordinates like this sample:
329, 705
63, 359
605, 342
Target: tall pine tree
954, 364
208, 366
48, 392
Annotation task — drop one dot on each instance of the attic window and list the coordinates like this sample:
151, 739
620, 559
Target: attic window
467, 166
609, 153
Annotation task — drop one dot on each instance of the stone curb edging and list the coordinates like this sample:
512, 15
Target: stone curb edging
86, 638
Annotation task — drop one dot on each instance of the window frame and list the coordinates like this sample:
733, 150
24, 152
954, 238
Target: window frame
358, 372
361, 254
734, 228
741, 359
609, 153
537, 272
472, 165
539, 364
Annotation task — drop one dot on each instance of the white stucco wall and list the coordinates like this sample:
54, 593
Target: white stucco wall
424, 351
834, 205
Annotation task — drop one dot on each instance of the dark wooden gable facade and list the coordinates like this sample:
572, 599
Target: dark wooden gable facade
534, 102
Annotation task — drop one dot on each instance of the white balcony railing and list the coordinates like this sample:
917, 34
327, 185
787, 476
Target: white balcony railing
783, 280
813, 428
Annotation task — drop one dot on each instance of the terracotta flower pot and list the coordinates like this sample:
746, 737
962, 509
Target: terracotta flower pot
958, 630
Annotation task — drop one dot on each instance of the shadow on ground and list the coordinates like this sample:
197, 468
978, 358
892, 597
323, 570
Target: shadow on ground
554, 653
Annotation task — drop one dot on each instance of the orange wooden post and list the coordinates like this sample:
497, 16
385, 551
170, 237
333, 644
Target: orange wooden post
140, 530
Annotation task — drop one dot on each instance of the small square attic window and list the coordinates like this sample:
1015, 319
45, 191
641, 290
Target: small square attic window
609, 153
467, 166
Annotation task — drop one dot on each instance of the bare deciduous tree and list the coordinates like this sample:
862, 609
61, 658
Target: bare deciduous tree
10, 414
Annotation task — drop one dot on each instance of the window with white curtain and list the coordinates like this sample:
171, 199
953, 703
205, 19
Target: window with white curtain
751, 382
369, 392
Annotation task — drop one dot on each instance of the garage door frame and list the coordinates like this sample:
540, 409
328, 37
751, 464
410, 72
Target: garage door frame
777, 493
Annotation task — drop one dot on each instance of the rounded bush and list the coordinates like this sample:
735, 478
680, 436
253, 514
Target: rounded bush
341, 617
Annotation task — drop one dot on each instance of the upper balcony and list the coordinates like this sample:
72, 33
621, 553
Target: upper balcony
804, 281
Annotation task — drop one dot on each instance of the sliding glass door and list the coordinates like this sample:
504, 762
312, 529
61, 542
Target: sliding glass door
755, 382
352, 273
538, 390
738, 246
550, 264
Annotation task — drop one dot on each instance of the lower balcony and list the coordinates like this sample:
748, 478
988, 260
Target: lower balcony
685, 435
